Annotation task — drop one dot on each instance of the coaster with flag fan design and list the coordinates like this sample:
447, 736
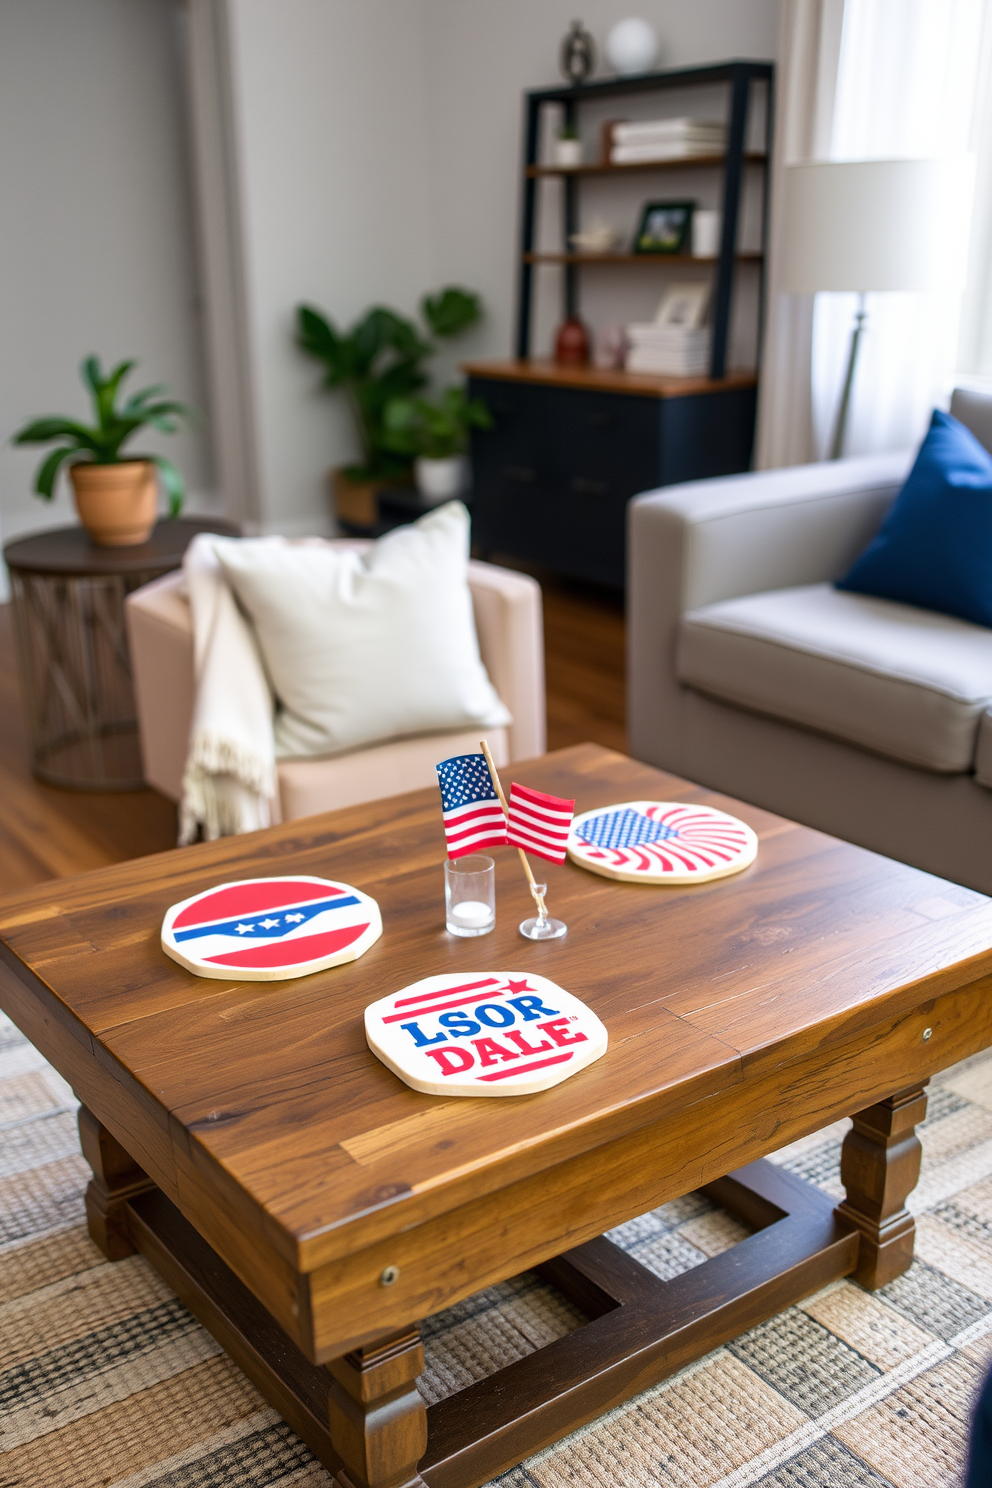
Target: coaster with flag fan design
486, 1033
661, 842
270, 929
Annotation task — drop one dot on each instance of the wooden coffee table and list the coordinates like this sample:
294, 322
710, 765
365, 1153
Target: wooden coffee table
309, 1208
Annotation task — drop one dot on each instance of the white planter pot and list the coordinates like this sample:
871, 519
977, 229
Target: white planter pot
568, 153
440, 480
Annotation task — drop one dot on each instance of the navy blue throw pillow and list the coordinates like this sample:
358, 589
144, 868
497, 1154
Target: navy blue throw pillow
934, 548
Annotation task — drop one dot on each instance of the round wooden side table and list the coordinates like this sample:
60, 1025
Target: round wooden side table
72, 650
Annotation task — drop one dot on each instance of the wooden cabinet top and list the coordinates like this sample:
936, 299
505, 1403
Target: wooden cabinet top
606, 379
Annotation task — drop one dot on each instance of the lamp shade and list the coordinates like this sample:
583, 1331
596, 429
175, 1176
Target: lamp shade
874, 224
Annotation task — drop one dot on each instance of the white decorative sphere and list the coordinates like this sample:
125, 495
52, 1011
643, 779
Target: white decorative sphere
632, 46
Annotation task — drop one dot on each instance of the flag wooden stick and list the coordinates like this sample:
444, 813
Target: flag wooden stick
538, 898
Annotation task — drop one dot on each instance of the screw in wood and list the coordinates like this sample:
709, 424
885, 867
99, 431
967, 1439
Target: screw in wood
927, 1034
389, 1275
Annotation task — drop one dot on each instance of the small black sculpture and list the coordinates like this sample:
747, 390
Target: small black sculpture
578, 54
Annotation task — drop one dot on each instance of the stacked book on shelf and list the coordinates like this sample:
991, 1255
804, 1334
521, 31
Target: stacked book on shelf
674, 351
665, 139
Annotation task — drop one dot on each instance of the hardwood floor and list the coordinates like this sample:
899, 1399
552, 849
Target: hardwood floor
50, 833
584, 639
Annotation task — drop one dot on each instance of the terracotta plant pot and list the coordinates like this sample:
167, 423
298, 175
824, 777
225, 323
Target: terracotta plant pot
117, 504
355, 502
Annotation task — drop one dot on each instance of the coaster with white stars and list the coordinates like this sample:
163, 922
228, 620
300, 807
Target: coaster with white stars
484, 1033
271, 929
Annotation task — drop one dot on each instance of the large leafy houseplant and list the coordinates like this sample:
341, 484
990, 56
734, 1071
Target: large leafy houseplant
379, 359
102, 442
434, 430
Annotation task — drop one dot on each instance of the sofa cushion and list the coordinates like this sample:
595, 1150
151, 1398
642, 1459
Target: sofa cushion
935, 546
361, 647
907, 683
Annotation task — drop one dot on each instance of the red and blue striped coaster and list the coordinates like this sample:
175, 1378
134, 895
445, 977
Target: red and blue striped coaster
271, 929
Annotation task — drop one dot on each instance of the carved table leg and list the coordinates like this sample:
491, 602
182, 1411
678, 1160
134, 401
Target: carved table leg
378, 1418
116, 1178
879, 1167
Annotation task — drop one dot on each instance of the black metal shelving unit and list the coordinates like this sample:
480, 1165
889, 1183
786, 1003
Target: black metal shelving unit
740, 78
569, 447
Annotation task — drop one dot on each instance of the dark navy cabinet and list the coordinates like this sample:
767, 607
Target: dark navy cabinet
552, 478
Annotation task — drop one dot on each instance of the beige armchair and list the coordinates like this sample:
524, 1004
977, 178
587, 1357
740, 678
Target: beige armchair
509, 623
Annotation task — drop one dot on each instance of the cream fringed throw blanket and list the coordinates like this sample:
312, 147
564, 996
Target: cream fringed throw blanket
230, 781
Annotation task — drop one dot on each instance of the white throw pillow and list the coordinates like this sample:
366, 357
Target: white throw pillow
366, 646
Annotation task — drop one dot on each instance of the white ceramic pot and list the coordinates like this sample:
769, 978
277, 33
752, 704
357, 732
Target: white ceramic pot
706, 231
440, 480
568, 153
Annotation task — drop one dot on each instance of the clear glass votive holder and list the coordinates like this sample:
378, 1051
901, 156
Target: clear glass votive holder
470, 895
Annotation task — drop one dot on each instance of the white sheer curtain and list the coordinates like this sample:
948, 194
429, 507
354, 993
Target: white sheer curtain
910, 79
809, 36
907, 86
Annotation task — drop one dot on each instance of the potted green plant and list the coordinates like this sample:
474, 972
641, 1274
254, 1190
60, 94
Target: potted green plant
568, 147
116, 494
379, 359
436, 435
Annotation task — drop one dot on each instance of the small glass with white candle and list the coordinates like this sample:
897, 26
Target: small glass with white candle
470, 895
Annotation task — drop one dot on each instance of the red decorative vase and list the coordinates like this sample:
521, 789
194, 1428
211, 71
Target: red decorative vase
572, 343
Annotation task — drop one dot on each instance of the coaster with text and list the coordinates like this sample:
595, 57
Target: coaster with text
270, 929
484, 1033
661, 842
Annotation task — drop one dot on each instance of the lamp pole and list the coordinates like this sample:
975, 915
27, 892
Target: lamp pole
840, 428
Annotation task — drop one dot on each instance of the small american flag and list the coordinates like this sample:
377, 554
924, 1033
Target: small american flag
473, 816
539, 823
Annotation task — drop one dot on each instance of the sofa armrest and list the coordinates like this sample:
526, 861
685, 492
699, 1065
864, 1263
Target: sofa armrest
160, 636
772, 529
694, 544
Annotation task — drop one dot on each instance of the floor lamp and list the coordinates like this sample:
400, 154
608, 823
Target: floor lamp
865, 226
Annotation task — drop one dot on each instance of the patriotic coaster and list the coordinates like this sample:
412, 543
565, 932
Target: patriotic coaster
484, 1033
270, 929
661, 842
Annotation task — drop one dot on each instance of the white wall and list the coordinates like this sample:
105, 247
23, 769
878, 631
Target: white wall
96, 252
371, 152
328, 143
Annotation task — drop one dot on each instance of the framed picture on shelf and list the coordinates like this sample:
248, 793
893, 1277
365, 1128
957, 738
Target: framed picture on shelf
684, 305
664, 227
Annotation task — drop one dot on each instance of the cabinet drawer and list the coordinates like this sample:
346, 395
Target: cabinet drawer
607, 444
552, 478
516, 518
517, 446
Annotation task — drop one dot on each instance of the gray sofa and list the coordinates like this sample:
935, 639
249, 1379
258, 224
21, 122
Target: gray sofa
749, 672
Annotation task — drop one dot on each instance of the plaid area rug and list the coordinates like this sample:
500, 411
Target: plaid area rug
106, 1381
